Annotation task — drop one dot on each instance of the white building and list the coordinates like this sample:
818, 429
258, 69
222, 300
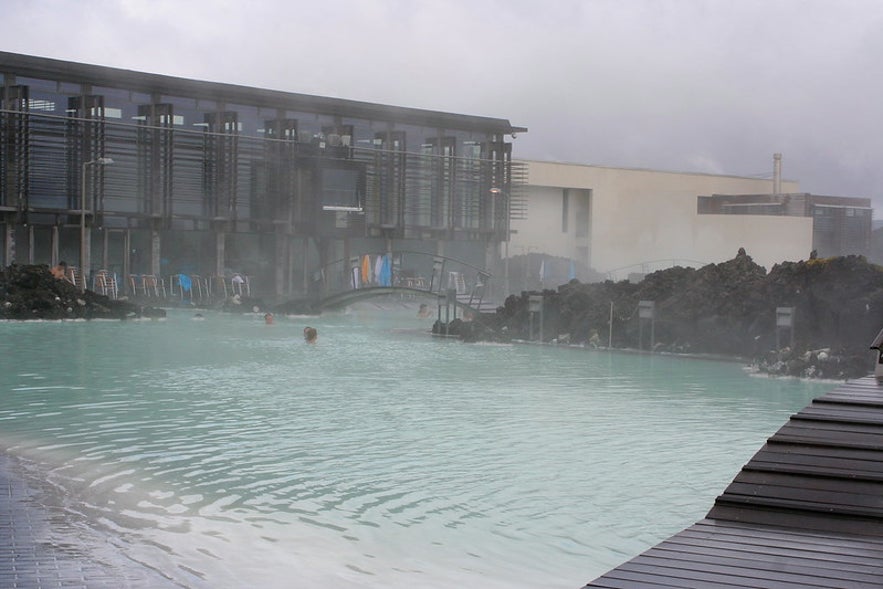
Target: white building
620, 221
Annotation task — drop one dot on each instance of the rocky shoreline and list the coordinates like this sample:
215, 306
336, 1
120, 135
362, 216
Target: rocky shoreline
30, 292
726, 309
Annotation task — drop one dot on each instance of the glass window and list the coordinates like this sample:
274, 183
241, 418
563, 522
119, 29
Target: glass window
249, 119
43, 95
119, 103
341, 186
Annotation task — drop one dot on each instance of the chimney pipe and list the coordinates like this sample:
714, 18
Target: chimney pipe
777, 173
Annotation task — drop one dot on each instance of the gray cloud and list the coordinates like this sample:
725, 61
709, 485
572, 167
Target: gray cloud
692, 85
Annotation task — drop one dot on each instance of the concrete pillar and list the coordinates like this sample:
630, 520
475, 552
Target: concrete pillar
155, 253
86, 262
53, 247
305, 262
282, 255
220, 262
127, 245
9, 246
105, 244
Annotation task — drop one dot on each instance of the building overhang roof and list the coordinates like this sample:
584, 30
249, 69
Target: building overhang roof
54, 69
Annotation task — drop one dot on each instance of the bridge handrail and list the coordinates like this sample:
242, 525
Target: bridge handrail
380, 253
673, 261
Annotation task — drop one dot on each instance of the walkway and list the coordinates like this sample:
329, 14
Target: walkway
42, 545
806, 511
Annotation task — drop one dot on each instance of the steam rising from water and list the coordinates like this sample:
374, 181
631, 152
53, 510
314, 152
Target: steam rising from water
226, 452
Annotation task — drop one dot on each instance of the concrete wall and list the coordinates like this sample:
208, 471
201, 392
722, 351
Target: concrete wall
644, 220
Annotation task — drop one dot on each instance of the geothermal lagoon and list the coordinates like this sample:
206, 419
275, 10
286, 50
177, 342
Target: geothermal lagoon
225, 452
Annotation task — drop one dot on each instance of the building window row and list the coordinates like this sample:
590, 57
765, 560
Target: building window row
210, 169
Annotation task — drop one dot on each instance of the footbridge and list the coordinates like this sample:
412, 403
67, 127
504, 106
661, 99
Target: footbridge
407, 274
649, 266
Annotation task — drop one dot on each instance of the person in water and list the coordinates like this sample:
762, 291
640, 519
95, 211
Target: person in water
424, 311
310, 335
268, 318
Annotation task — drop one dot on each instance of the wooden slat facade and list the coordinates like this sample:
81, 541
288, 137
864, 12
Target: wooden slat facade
805, 511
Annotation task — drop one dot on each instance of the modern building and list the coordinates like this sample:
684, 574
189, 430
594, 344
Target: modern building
840, 225
145, 174
621, 222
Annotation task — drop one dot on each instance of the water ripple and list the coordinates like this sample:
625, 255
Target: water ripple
377, 452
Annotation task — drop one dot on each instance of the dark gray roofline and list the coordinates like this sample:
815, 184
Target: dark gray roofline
68, 71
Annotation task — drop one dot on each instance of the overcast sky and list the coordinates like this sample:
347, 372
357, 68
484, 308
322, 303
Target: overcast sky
686, 85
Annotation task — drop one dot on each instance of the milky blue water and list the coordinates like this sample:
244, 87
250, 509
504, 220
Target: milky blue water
225, 452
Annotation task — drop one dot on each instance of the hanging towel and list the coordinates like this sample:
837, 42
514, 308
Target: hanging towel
386, 271
378, 268
366, 269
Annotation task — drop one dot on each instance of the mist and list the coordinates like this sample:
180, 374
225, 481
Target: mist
693, 85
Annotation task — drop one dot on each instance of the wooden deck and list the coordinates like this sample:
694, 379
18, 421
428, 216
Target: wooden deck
805, 511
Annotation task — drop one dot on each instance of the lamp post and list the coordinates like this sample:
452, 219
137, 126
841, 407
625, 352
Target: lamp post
84, 257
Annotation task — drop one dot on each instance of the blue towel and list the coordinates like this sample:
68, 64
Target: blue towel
385, 272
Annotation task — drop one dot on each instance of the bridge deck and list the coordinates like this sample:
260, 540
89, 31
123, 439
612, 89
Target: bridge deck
805, 511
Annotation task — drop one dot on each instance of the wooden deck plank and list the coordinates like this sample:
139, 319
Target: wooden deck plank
628, 579
828, 429
794, 454
704, 577
761, 554
786, 517
857, 472
759, 560
774, 573
798, 486
786, 503
750, 538
847, 438
711, 527
840, 412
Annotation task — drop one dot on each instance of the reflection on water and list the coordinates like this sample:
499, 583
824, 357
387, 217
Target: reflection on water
227, 452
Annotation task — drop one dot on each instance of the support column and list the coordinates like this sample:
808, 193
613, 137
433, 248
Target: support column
220, 243
53, 247
105, 242
491, 262
86, 262
282, 256
30, 244
127, 245
155, 253
9, 246
345, 270
306, 265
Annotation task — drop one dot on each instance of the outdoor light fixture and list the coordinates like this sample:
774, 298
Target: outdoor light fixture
84, 261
